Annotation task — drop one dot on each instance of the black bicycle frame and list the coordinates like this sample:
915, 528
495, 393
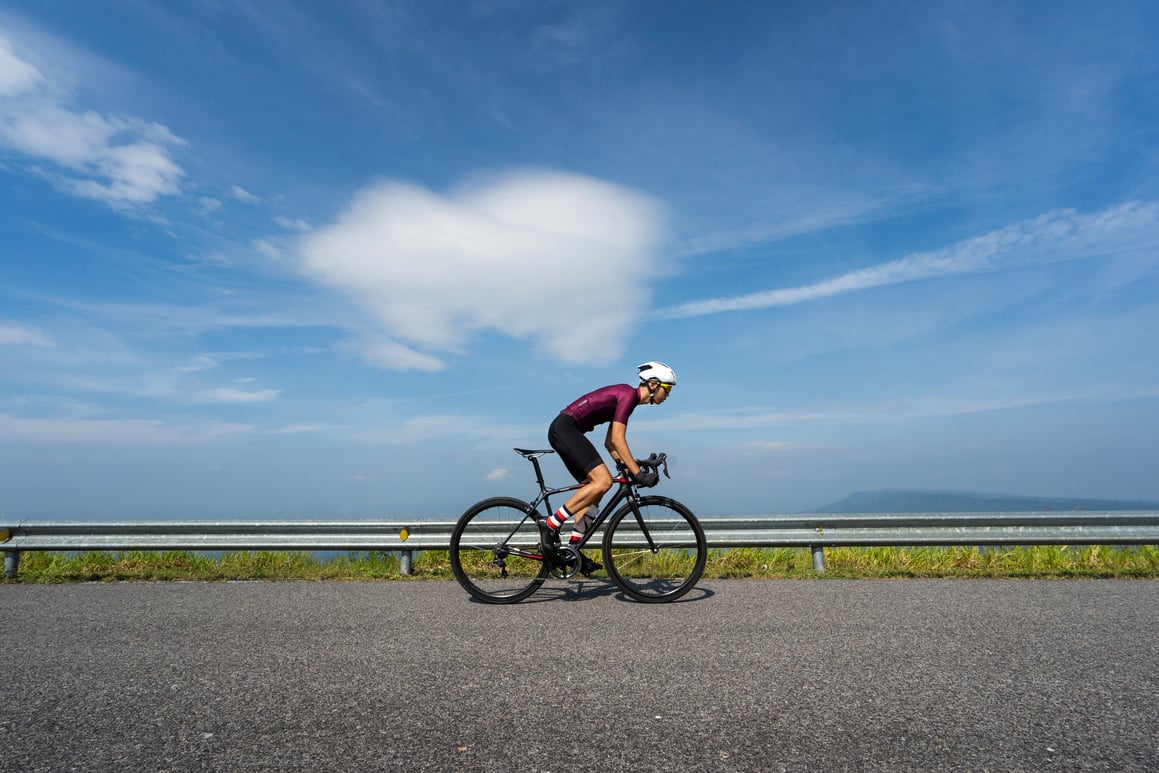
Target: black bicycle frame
624, 492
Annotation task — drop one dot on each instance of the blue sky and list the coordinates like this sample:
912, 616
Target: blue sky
312, 259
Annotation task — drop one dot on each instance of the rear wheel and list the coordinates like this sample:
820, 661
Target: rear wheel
657, 555
495, 551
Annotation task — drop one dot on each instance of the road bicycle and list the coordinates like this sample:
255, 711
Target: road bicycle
653, 547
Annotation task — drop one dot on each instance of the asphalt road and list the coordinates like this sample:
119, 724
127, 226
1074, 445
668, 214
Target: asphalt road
742, 675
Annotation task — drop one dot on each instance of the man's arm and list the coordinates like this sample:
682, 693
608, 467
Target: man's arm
617, 445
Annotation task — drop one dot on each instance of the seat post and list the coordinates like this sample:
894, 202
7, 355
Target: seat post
538, 473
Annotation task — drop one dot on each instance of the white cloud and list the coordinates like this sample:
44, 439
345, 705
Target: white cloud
769, 446
208, 204
228, 395
12, 334
207, 362
396, 356
500, 473
299, 429
1052, 237
267, 249
16, 75
93, 361
383, 423
121, 161
241, 194
561, 260
901, 409
292, 224
115, 431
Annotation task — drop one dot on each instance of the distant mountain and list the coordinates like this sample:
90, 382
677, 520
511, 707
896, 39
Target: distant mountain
904, 501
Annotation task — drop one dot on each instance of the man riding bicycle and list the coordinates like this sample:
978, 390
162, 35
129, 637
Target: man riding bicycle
568, 436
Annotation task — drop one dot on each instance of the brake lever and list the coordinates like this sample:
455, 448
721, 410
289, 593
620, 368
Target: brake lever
655, 462
658, 462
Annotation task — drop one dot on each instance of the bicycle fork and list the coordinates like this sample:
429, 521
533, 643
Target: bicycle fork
634, 501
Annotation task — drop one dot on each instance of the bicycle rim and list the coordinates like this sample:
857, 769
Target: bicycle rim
495, 551
673, 567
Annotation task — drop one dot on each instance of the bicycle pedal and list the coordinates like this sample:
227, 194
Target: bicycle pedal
589, 567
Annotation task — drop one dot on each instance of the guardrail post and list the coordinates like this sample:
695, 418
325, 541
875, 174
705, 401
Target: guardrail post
818, 558
11, 562
404, 561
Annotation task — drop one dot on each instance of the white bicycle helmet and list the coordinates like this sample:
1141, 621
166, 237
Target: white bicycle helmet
658, 371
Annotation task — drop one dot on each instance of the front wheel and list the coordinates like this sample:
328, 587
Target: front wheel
655, 551
495, 551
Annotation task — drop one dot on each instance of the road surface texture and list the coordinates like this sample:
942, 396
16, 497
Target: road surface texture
917, 675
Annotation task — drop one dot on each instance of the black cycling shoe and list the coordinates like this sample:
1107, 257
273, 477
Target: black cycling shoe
548, 537
589, 567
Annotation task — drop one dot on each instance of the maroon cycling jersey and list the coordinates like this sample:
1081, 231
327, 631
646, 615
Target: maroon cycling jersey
610, 403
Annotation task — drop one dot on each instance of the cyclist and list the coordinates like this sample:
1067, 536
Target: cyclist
567, 435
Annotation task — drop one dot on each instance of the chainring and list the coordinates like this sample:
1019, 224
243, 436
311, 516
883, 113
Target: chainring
568, 563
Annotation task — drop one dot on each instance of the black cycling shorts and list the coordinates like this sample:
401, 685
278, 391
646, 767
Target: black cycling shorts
577, 452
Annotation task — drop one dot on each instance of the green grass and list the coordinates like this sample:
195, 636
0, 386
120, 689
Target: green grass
1042, 562
1039, 562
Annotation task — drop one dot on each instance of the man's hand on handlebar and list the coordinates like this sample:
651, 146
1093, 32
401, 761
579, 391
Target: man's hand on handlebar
649, 473
646, 478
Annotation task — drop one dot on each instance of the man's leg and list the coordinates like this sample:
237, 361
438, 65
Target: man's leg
599, 481
583, 502
579, 529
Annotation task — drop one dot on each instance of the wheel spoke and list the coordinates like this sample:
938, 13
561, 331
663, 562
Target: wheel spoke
669, 570
490, 551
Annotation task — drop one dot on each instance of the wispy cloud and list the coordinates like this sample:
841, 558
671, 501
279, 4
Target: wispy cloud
16, 75
13, 334
228, 395
919, 407
186, 384
122, 161
1052, 237
134, 432
769, 446
88, 359
265, 248
241, 194
302, 429
558, 259
292, 224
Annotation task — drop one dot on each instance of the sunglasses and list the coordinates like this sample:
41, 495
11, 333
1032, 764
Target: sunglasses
666, 385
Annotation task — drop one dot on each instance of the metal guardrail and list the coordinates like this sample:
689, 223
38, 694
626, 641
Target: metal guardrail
407, 536
815, 531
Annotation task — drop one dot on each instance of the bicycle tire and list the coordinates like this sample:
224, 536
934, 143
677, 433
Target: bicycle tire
491, 549
673, 568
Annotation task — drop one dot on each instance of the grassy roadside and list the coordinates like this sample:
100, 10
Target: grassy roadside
1030, 562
